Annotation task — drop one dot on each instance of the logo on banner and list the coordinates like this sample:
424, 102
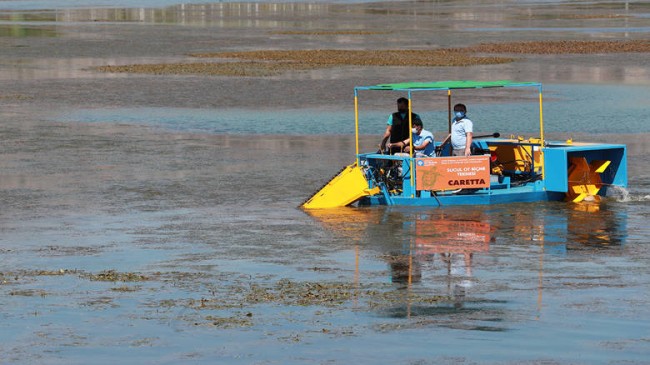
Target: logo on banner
450, 173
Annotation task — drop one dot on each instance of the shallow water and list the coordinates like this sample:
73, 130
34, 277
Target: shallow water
569, 109
230, 265
153, 220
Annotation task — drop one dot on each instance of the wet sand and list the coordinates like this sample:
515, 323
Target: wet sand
140, 243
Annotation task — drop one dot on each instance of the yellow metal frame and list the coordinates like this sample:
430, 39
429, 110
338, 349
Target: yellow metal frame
343, 189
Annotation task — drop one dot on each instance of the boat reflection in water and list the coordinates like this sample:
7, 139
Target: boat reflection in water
437, 253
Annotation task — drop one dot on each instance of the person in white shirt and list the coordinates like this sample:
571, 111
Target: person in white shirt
462, 131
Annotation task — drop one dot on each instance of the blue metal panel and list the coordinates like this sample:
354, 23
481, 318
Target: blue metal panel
555, 169
516, 195
621, 175
616, 173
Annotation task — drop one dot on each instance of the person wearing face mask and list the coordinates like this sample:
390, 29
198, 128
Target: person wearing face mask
397, 129
423, 145
462, 130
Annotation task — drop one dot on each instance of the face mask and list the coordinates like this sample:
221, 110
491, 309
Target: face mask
459, 115
415, 131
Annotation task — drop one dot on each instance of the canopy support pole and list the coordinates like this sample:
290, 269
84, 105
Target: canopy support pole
356, 125
541, 132
449, 110
411, 148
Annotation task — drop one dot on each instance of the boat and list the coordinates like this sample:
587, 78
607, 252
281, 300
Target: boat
500, 170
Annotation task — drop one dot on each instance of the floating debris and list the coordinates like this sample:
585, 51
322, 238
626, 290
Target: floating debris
564, 47
241, 69
28, 293
53, 272
328, 32
112, 275
274, 62
15, 97
270, 63
331, 57
227, 322
125, 289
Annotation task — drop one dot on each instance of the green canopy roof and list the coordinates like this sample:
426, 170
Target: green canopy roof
448, 85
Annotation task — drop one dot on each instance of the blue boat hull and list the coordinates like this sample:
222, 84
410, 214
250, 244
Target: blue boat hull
555, 183
513, 195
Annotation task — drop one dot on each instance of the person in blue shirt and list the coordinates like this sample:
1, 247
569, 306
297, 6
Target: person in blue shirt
423, 145
462, 131
397, 129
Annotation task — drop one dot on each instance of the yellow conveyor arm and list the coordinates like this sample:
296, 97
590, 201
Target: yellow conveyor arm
345, 188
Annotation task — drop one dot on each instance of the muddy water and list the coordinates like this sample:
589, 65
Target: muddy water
152, 219
175, 247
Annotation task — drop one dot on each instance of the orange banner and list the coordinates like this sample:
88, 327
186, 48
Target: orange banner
451, 173
452, 236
